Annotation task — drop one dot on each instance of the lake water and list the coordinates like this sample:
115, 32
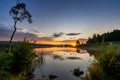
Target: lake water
61, 62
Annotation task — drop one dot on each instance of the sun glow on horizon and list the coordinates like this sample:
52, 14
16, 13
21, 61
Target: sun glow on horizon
74, 44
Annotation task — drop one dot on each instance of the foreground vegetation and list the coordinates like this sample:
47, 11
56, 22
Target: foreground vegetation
106, 49
107, 66
17, 65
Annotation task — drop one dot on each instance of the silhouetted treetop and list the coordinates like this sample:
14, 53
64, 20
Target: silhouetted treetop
19, 13
109, 36
77, 43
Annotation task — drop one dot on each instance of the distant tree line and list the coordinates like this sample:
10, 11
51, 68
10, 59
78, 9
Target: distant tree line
105, 37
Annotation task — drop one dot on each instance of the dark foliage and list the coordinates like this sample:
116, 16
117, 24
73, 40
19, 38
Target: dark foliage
19, 13
77, 43
5, 66
23, 57
19, 62
106, 37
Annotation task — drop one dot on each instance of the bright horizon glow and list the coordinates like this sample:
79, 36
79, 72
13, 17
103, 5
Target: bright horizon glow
55, 42
73, 44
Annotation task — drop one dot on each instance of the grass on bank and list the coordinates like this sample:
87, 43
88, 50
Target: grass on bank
107, 66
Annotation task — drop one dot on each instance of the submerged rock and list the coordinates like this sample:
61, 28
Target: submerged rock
52, 76
77, 72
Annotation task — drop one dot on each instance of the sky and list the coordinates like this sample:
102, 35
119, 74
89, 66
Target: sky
61, 21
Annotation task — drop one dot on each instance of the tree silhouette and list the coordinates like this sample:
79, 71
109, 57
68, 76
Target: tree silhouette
77, 43
18, 13
105, 37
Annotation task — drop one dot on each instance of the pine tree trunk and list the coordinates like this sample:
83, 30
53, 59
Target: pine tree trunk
10, 43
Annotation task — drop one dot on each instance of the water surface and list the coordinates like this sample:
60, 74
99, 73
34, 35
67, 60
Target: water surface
61, 62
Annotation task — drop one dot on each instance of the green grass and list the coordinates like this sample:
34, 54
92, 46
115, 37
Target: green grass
107, 66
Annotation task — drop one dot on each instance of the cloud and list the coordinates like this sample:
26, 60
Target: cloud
72, 37
55, 35
74, 40
5, 33
67, 40
35, 31
22, 30
72, 34
82, 39
28, 35
45, 38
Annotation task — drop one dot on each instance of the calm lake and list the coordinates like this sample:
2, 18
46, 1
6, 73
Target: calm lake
61, 62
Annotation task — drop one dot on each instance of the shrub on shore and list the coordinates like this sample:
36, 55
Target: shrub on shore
107, 66
18, 63
5, 65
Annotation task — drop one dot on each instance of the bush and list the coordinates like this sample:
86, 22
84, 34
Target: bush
18, 64
107, 66
95, 73
109, 60
5, 65
22, 57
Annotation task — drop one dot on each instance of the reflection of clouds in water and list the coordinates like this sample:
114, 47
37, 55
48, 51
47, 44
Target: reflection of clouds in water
68, 49
61, 53
74, 58
60, 61
56, 51
49, 51
78, 50
58, 57
37, 52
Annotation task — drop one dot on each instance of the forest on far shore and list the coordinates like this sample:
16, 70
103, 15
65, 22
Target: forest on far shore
105, 37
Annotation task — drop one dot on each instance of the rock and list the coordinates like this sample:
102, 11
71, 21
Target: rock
77, 72
52, 76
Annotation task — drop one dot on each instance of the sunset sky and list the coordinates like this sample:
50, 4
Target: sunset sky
61, 21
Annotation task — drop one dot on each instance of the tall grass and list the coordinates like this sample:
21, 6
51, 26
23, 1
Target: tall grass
107, 66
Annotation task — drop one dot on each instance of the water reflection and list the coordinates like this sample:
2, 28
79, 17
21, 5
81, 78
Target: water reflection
74, 58
58, 57
81, 51
60, 62
39, 63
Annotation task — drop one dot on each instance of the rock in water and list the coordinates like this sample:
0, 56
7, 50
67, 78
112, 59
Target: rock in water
52, 76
